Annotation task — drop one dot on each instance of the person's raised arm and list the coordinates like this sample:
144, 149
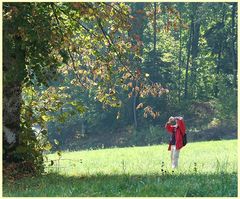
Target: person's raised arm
181, 124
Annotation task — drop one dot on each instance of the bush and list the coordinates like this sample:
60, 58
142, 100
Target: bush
226, 104
156, 135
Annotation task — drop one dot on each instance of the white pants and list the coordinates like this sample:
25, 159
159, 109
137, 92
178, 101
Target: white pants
174, 156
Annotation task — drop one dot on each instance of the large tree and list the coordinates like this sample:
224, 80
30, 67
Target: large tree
40, 37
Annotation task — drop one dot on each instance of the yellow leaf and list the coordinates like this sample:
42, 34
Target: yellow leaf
90, 10
61, 88
45, 118
48, 146
65, 38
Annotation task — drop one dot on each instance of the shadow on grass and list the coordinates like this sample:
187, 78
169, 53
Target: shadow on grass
158, 185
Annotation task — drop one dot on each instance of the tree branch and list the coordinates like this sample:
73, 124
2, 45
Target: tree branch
83, 26
68, 50
111, 43
105, 3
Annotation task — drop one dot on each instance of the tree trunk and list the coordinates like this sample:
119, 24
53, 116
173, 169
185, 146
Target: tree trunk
83, 131
180, 60
219, 59
187, 64
19, 141
13, 75
134, 107
137, 31
195, 49
11, 119
196, 34
234, 63
155, 34
216, 89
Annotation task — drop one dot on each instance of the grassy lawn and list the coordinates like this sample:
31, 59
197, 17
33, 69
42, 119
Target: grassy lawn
206, 169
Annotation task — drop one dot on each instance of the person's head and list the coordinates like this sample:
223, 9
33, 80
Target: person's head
171, 119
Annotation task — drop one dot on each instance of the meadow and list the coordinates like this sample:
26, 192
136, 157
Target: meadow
206, 169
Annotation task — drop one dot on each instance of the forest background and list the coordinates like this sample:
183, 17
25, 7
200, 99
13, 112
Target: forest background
96, 75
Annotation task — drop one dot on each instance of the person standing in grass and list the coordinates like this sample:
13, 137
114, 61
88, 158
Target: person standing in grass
176, 127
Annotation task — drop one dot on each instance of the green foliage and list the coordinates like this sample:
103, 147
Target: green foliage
32, 142
226, 105
156, 134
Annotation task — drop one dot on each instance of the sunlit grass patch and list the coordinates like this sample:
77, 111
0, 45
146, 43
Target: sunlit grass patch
206, 169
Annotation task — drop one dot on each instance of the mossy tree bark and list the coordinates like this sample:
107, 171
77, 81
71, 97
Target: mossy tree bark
13, 76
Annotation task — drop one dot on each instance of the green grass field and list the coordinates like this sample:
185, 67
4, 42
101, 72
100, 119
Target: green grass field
206, 169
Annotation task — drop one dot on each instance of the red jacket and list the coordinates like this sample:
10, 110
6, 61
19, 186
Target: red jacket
180, 131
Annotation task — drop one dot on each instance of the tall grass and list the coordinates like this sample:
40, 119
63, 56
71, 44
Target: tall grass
210, 157
205, 169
